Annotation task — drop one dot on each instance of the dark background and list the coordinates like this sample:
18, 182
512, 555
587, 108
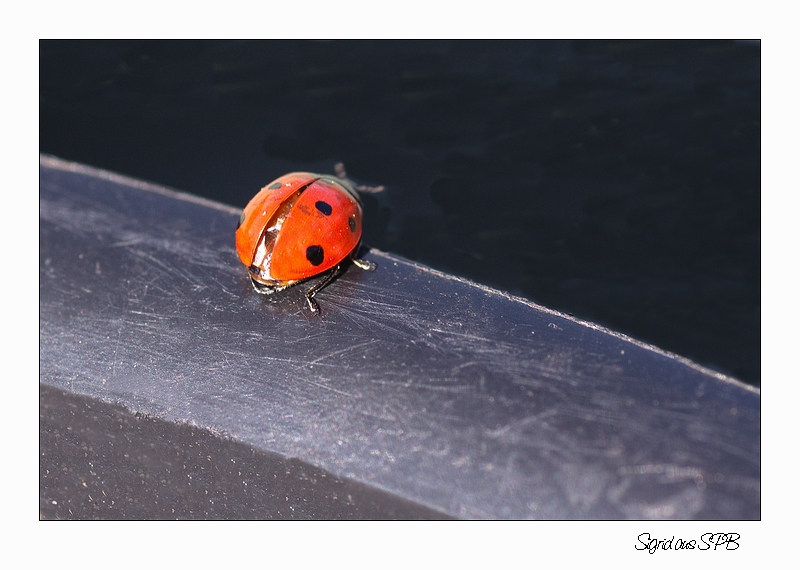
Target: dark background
617, 181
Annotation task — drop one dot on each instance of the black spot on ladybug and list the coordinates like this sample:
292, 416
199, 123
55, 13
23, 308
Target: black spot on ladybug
241, 221
352, 222
275, 185
324, 207
315, 254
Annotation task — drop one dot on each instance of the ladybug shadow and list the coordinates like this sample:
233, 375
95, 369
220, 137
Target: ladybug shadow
295, 298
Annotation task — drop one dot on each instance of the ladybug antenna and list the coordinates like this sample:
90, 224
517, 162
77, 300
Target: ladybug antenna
341, 173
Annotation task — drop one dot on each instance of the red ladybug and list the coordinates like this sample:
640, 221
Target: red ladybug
300, 226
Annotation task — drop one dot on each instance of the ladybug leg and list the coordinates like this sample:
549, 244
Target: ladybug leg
363, 264
322, 283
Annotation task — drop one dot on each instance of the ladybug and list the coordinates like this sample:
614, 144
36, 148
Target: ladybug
300, 226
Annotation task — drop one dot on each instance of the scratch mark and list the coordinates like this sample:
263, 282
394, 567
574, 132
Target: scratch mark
324, 387
343, 350
460, 388
133, 241
670, 471
362, 317
518, 425
464, 335
116, 348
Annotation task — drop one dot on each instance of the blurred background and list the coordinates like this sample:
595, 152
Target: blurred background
616, 181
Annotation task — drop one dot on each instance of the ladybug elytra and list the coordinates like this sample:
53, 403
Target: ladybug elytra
300, 226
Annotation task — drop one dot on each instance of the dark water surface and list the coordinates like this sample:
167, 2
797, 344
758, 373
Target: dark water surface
617, 181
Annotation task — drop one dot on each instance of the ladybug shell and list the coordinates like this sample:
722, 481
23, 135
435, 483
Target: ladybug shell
298, 226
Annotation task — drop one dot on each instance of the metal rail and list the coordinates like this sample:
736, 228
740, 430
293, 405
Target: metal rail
415, 394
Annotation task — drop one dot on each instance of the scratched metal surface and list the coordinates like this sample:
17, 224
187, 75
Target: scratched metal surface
443, 392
